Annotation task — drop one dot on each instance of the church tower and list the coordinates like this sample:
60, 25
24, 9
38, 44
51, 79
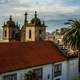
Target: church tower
23, 29
11, 31
33, 31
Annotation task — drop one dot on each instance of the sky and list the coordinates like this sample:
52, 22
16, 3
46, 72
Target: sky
54, 12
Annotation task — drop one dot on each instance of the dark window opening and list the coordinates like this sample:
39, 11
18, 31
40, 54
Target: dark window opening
48, 76
57, 70
40, 34
58, 79
40, 31
29, 33
5, 33
10, 77
13, 34
38, 73
35, 74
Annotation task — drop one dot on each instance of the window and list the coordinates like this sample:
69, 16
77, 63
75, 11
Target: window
57, 70
48, 76
38, 73
10, 77
58, 79
29, 33
40, 31
5, 33
13, 34
40, 34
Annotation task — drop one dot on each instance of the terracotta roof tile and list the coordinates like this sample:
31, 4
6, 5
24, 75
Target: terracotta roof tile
15, 56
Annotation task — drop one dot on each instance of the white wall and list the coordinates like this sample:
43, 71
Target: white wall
72, 68
47, 70
69, 71
64, 71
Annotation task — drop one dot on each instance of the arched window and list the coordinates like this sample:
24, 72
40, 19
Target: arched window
5, 33
40, 31
40, 34
13, 34
29, 33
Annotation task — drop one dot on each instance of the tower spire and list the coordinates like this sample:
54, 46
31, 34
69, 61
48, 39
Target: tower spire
35, 14
25, 22
10, 18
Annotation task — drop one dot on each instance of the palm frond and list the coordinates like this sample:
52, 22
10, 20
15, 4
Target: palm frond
72, 35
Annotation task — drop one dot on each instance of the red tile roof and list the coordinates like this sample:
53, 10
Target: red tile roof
15, 56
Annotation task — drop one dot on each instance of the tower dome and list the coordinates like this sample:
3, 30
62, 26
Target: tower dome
36, 21
10, 22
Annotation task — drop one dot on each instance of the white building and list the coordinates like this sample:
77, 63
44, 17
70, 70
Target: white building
43, 58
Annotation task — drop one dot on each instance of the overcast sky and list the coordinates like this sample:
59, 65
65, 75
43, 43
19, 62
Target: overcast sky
52, 11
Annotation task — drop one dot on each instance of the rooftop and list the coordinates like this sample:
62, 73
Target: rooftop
16, 56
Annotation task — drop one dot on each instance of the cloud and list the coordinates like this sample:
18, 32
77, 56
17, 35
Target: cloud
46, 6
43, 6
47, 9
3, 1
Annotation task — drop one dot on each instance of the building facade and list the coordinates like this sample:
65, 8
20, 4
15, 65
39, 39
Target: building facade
19, 60
11, 31
33, 31
65, 70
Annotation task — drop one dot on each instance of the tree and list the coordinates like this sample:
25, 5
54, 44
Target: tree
72, 35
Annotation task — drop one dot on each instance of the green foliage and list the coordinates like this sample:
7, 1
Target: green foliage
29, 75
72, 35
78, 78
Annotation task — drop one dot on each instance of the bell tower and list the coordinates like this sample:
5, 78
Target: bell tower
23, 29
10, 31
33, 31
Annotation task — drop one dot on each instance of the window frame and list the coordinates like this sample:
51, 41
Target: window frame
10, 76
57, 70
38, 70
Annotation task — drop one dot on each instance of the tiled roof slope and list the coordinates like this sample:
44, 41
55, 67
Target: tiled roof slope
16, 56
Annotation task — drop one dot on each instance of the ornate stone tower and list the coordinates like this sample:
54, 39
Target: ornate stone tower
23, 29
11, 31
33, 31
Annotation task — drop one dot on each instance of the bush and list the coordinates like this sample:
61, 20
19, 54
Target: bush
78, 78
